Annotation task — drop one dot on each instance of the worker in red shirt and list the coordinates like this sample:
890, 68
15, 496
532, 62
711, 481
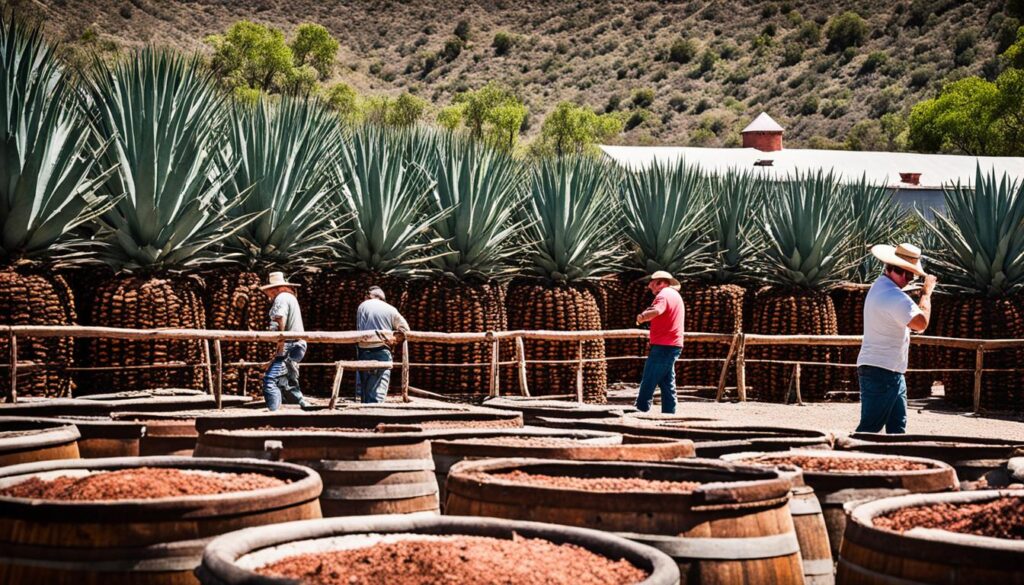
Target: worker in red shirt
666, 316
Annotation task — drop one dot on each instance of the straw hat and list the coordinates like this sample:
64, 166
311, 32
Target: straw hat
277, 279
661, 274
905, 256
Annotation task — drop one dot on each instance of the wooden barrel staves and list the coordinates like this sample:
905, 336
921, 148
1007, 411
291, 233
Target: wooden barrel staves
812, 534
841, 478
730, 525
974, 458
449, 449
694, 430
99, 436
366, 472
136, 541
532, 409
102, 405
24, 440
234, 559
927, 555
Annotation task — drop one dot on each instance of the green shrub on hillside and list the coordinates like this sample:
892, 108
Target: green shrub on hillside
502, 43
792, 54
643, 97
874, 61
462, 30
846, 30
682, 51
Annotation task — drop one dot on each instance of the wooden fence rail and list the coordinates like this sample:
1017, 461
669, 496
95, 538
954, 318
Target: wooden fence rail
214, 365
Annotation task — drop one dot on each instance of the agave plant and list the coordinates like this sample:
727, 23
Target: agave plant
808, 246
282, 157
980, 256
165, 120
573, 238
49, 174
387, 241
479, 188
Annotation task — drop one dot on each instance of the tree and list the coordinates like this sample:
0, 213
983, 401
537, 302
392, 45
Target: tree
846, 30
403, 111
344, 100
314, 46
491, 113
571, 128
964, 117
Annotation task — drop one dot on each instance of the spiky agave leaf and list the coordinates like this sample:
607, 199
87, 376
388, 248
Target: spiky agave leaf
387, 194
283, 156
981, 236
737, 199
807, 233
482, 187
165, 118
49, 172
571, 221
664, 215
877, 219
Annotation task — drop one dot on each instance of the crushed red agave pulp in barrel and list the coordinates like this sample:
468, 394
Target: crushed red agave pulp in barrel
839, 464
142, 483
512, 441
998, 518
458, 560
597, 484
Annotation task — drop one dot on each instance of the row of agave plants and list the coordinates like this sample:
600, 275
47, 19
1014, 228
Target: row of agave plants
137, 195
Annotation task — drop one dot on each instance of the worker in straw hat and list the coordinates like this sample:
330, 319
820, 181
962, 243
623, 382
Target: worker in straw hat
666, 316
889, 317
282, 375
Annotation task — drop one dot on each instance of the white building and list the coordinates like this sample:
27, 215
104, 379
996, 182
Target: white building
917, 179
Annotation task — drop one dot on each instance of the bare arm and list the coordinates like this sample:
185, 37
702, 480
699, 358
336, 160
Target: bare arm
920, 322
279, 320
399, 323
649, 314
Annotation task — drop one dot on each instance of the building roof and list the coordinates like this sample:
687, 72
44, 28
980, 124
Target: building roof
763, 123
937, 170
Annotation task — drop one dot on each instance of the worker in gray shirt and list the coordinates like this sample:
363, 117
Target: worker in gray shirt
375, 314
283, 370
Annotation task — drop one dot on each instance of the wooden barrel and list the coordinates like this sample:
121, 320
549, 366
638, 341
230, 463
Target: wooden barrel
875, 556
715, 449
137, 542
696, 431
532, 408
585, 446
835, 489
232, 558
24, 440
973, 458
100, 436
422, 419
170, 433
363, 472
147, 401
735, 527
812, 534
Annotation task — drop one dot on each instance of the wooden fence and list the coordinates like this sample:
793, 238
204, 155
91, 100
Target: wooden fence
214, 364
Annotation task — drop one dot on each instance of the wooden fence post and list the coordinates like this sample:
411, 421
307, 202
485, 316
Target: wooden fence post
13, 346
579, 372
218, 386
207, 359
796, 381
339, 372
741, 369
979, 365
492, 388
405, 370
524, 389
724, 376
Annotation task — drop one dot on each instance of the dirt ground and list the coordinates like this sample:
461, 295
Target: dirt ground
925, 416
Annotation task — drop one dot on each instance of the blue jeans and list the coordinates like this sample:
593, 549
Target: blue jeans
283, 376
372, 385
659, 370
883, 400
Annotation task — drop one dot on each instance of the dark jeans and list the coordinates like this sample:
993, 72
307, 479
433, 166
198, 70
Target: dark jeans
372, 385
660, 371
883, 400
282, 377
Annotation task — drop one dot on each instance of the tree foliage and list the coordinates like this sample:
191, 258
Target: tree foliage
491, 113
846, 30
574, 129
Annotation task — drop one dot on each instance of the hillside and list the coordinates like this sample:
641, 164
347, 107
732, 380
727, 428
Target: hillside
738, 57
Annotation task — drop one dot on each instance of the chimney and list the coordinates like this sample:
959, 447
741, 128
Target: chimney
910, 178
763, 134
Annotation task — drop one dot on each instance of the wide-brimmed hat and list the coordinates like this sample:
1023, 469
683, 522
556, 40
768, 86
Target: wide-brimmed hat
905, 256
277, 279
662, 275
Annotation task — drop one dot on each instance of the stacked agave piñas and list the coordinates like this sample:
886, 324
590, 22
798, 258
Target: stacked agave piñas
665, 214
572, 239
281, 158
51, 169
807, 248
477, 191
164, 118
980, 258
